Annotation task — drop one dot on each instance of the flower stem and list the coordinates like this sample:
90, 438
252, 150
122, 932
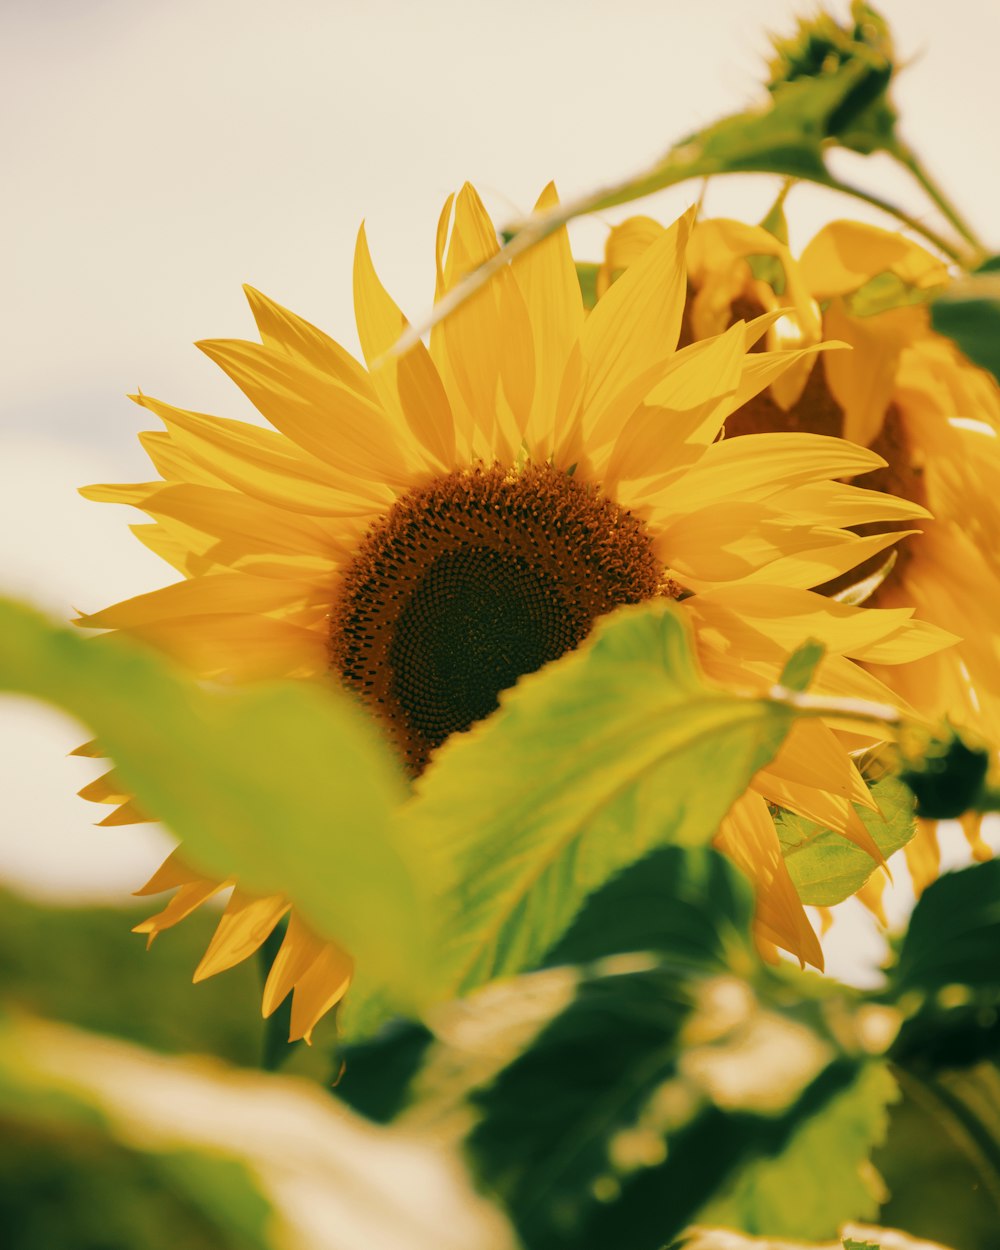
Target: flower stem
906, 157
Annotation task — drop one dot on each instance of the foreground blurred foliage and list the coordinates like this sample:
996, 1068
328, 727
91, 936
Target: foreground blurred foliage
639, 1069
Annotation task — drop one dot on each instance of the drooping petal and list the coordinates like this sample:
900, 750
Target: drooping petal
747, 835
245, 925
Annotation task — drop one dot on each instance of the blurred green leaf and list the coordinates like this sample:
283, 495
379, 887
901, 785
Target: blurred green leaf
801, 665
824, 865
884, 291
819, 1177
968, 311
954, 934
586, 273
104, 1146
68, 1182
662, 1079
82, 965
374, 1076
586, 766
289, 787
71, 1187
941, 1159
687, 903
652, 1101
948, 778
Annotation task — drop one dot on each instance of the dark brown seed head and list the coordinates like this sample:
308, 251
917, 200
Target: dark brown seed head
472, 581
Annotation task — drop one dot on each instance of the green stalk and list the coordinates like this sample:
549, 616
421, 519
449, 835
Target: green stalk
909, 160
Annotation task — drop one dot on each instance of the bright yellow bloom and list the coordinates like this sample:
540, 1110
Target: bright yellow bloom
904, 392
436, 525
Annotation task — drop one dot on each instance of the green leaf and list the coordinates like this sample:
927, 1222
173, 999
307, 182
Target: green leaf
946, 979
884, 291
287, 787
800, 667
954, 934
969, 313
948, 779
374, 1076
825, 866
941, 1159
588, 764
687, 903
653, 1101
817, 1179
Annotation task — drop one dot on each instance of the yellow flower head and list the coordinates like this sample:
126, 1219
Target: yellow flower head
903, 391
437, 524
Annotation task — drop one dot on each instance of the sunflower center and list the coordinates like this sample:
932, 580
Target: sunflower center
472, 581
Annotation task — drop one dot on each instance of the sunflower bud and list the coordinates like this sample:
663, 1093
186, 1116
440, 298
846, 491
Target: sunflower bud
851, 66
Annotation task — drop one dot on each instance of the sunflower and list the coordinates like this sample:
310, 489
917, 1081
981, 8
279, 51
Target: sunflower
903, 391
442, 522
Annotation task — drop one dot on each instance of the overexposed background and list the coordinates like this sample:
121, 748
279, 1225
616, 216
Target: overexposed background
157, 155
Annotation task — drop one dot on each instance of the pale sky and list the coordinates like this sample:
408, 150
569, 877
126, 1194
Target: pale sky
158, 155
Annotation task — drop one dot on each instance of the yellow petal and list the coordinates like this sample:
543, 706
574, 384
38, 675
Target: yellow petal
173, 463
105, 789
681, 413
246, 924
407, 385
817, 565
625, 244
187, 899
470, 335
753, 467
221, 592
862, 381
546, 276
128, 813
238, 648
747, 835
842, 504
844, 255
285, 331
923, 856
870, 894
172, 873
91, 750
972, 823
169, 547
341, 426
633, 329
299, 949
321, 988
267, 465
